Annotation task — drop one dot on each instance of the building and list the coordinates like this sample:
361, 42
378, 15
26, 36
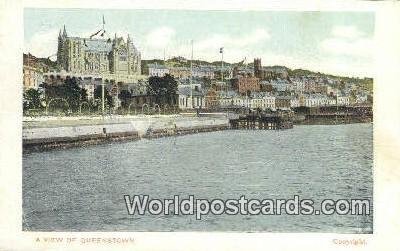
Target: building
298, 85
283, 102
32, 72
180, 72
294, 102
211, 99
241, 102
361, 98
258, 71
32, 77
190, 97
156, 70
332, 91
98, 56
265, 86
263, 101
269, 102
317, 100
220, 86
203, 72
243, 85
281, 85
343, 100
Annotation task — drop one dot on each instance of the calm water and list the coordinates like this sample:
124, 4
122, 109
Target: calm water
81, 189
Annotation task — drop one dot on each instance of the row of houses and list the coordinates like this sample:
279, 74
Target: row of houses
258, 100
181, 72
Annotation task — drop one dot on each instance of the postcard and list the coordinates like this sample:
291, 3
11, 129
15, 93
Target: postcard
137, 126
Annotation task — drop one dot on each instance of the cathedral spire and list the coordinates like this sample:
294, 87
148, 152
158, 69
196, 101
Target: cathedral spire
64, 32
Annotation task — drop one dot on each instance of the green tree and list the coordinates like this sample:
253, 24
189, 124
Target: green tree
108, 99
69, 91
32, 99
125, 97
73, 93
163, 89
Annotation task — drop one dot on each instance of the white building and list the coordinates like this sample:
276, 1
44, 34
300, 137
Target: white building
316, 100
332, 91
156, 70
298, 85
294, 102
269, 102
203, 72
240, 101
361, 99
343, 100
263, 101
190, 97
281, 85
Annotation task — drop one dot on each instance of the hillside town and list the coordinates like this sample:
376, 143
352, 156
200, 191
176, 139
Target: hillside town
93, 72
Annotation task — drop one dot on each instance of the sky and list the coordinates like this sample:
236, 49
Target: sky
338, 43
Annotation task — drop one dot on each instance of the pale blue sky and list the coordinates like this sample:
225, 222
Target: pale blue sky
331, 42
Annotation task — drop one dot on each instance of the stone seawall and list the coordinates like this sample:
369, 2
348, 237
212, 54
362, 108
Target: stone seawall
63, 137
44, 138
183, 131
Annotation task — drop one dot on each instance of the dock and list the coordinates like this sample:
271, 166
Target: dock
261, 122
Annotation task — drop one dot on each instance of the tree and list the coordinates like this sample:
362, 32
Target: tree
73, 93
32, 99
108, 99
125, 97
69, 91
163, 89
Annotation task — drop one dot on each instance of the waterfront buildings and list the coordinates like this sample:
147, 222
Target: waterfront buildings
343, 100
294, 102
243, 85
283, 102
211, 99
116, 64
190, 97
263, 101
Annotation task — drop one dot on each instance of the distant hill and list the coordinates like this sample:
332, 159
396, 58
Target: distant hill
363, 83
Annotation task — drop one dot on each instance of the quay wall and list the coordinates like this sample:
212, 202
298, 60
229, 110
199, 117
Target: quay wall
42, 138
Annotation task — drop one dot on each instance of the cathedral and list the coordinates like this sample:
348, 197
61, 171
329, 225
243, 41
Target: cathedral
98, 56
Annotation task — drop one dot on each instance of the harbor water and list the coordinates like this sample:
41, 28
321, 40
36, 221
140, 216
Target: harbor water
82, 189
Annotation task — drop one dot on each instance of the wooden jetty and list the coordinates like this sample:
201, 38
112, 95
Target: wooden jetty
261, 122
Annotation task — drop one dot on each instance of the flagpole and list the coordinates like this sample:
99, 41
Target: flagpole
222, 64
191, 74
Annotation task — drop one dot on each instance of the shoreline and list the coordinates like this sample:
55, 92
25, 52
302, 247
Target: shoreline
42, 138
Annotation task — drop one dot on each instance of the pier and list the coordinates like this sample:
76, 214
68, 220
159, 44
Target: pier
261, 122
334, 115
